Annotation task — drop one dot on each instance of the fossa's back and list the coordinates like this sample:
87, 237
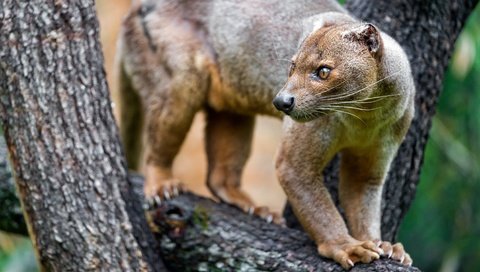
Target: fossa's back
250, 42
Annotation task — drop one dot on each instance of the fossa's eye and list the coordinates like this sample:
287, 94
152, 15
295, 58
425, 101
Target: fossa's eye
323, 72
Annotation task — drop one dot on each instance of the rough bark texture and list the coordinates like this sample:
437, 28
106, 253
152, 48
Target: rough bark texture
427, 31
217, 237
197, 234
61, 135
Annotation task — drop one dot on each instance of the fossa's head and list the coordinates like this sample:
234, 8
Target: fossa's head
337, 64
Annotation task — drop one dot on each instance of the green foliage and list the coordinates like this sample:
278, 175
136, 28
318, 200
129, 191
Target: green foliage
442, 228
16, 254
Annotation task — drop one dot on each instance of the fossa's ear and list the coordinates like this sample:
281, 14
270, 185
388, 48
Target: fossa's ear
368, 35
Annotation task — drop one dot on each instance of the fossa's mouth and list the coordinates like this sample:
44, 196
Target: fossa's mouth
306, 116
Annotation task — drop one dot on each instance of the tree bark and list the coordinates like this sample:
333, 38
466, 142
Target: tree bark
69, 166
427, 31
197, 234
217, 237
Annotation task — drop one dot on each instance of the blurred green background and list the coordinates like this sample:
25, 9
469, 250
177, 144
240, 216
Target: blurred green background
442, 229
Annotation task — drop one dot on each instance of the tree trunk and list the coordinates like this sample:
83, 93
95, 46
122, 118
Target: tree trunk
427, 31
64, 148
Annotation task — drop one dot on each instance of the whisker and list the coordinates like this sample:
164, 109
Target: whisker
352, 108
354, 102
360, 101
380, 96
348, 113
341, 96
367, 100
343, 81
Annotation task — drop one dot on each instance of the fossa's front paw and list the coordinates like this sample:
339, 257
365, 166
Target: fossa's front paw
267, 215
396, 252
166, 189
169, 189
351, 251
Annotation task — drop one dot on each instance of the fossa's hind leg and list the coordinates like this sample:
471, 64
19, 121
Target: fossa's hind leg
169, 64
228, 144
169, 115
167, 124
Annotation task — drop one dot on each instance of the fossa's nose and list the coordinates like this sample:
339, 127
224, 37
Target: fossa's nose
284, 102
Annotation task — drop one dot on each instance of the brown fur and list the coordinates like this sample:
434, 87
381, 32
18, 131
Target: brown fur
180, 57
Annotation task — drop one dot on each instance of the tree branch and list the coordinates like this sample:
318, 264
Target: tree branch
196, 233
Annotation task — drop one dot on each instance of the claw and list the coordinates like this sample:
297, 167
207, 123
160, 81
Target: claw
166, 194
175, 191
150, 202
250, 211
269, 218
157, 200
145, 206
349, 251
